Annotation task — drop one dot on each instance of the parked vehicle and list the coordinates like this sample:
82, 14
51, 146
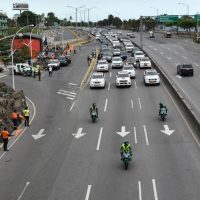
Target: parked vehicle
185, 69
22, 69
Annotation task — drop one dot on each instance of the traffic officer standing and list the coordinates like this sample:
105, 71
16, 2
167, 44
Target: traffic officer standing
5, 135
26, 114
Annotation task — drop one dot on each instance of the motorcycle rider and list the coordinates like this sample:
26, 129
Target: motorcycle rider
125, 147
94, 108
162, 107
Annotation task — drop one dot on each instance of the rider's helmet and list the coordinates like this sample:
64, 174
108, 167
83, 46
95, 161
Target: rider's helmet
161, 104
94, 105
126, 142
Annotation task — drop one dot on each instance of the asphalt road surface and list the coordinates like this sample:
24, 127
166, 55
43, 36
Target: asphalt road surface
59, 166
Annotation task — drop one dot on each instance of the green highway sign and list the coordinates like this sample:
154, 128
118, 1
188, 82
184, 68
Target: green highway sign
197, 17
167, 18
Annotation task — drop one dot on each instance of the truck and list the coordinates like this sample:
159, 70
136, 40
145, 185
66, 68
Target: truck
22, 69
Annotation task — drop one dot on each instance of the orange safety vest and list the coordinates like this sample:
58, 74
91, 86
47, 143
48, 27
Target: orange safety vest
5, 134
14, 115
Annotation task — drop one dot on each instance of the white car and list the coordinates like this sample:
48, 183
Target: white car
145, 62
138, 55
54, 63
151, 77
123, 79
129, 69
97, 80
117, 62
102, 65
116, 52
129, 47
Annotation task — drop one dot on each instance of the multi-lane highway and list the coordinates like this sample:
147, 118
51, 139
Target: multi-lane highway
77, 159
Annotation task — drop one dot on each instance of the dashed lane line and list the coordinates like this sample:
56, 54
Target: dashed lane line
99, 139
135, 84
23, 191
140, 190
154, 189
140, 105
88, 192
132, 103
135, 134
72, 106
108, 86
106, 103
146, 135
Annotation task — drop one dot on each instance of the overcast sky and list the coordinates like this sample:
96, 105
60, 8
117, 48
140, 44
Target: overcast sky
125, 9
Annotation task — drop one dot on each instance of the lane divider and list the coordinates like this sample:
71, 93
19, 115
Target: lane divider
99, 139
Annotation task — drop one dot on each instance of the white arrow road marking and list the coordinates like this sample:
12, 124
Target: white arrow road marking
99, 140
106, 103
123, 132
88, 192
146, 136
140, 190
154, 189
27, 183
39, 134
167, 131
79, 133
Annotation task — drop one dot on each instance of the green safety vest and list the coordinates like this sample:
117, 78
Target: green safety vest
26, 112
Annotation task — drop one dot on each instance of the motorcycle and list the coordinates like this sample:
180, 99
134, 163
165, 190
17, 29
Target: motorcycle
163, 113
126, 158
93, 116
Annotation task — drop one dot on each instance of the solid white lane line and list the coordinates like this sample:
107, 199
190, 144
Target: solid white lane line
106, 103
154, 189
99, 139
72, 106
140, 103
146, 136
110, 74
108, 86
88, 192
27, 183
132, 103
135, 84
140, 190
135, 135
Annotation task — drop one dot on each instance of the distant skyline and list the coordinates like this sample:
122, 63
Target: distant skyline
128, 9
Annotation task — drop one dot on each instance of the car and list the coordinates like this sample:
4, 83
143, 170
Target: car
97, 80
123, 79
128, 33
63, 61
134, 50
132, 35
151, 77
129, 69
107, 56
102, 65
129, 47
68, 57
151, 34
185, 69
124, 55
116, 44
138, 55
145, 62
131, 61
168, 34
117, 62
116, 52
54, 63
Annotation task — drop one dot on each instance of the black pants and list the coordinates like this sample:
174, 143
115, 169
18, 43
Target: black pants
26, 123
50, 73
5, 144
15, 123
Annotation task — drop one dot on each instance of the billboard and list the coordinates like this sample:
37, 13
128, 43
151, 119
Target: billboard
20, 6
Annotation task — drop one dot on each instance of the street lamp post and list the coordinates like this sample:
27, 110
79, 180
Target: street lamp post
156, 15
89, 15
12, 53
187, 7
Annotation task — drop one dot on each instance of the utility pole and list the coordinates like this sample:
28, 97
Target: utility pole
141, 32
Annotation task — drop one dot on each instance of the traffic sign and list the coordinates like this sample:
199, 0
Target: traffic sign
167, 18
197, 17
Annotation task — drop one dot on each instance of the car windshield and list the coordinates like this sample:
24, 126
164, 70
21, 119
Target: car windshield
151, 73
128, 68
102, 62
139, 53
116, 59
123, 75
144, 59
124, 53
97, 76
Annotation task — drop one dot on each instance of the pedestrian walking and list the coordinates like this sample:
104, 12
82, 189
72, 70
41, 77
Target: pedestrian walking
39, 75
14, 117
50, 70
26, 114
5, 136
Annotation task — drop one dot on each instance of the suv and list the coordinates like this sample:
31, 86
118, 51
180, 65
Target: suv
97, 80
151, 77
185, 69
123, 79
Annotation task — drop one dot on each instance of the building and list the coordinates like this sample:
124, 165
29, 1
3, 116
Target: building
3, 23
20, 42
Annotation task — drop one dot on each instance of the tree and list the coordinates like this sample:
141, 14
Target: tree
117, 22
51, 19
27, 18
110, 20
187, 22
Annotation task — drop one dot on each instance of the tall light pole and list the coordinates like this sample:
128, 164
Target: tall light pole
187, 7
76, 9
12, 53
89, 15
156, 15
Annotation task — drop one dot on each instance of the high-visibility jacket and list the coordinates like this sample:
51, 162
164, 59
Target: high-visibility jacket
5, 134
14, 115
26, 112
125, 148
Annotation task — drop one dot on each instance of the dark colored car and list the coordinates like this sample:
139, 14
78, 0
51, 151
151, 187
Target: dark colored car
124, 55
63, 61
107, 56
68, 57
134, 50
185, 69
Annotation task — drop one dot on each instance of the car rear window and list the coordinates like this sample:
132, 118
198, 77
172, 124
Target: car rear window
186, 66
